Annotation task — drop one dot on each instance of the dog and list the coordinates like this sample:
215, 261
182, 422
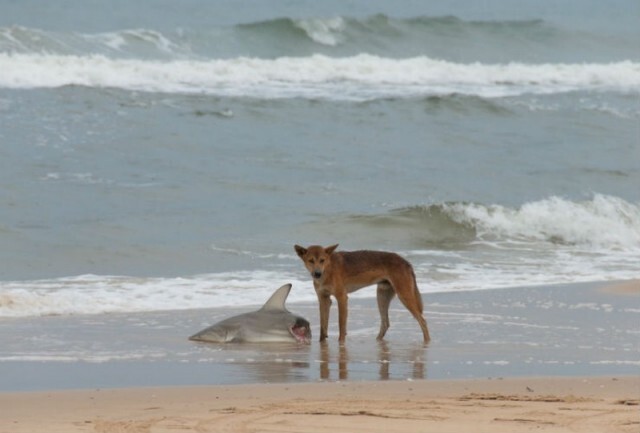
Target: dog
339, 273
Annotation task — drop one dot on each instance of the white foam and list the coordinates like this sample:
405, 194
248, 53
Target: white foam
550, 241
93, 294
615, 362
496, 362
361, 77
120, 40
604, 221
556, 265
75, 356
323, 31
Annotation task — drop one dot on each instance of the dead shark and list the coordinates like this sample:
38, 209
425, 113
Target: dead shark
271, 323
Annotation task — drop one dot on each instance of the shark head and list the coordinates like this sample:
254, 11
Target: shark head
301, 330
299, 327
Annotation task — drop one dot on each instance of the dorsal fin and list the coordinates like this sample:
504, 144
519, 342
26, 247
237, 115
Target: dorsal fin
277, 300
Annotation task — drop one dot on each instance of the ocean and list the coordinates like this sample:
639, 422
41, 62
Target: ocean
161, 155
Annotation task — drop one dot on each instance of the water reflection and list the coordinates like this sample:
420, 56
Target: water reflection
342, 361
355, 360
394, 362
412, 355
273, 362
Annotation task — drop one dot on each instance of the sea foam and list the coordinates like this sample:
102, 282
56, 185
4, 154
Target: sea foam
95, 294
361, 77
604, 221
549, 241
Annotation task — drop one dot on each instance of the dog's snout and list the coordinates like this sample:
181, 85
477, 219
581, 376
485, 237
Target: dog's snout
316, 274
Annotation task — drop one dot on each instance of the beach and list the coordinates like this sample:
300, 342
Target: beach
548, 366
502, 405
161, 159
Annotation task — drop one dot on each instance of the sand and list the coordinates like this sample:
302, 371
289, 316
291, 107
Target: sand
629, 288
481, 405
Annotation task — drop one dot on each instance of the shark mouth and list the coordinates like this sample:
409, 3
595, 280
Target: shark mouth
301, 331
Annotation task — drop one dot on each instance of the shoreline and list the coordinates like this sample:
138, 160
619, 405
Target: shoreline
549, 358
606, 404
575, 330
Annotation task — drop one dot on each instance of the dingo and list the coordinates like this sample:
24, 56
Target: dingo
341, 273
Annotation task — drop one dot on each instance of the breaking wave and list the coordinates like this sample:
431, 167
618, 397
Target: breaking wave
603, 221
439, 36
359, 33
362, 77
337, 58
453, 246
96, 294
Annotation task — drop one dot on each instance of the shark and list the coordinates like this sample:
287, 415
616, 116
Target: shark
272, 323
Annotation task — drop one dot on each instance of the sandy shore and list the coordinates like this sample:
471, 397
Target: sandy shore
545, 359
604, 404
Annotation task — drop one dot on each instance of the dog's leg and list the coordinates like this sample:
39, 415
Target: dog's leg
343, 307
410, 296
416, 312
423, 325
385, 295
324, 300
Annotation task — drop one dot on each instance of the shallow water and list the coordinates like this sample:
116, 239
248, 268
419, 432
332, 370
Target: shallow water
569, 330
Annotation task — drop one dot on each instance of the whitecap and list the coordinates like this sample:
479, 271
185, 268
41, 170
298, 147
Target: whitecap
323, 31
361, 77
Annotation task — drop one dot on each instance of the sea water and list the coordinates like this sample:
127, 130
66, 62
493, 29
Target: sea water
168, 155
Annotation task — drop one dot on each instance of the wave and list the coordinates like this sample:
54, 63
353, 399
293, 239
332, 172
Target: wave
98, 294
286, 33
384, 34
603, 222
130, 43
323, 31
453, 246
339, 30
358, 78
446, 37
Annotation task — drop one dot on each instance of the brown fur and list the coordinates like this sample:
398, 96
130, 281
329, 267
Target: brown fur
339, 273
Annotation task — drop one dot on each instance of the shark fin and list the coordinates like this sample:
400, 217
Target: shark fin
277, 300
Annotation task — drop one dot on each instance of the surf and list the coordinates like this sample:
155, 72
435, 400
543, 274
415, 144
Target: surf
454, 246
358, 78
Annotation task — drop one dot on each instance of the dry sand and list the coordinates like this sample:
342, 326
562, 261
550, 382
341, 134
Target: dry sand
499, 405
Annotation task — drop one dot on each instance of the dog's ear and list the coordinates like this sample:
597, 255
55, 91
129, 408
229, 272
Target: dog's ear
331, 249
300, 250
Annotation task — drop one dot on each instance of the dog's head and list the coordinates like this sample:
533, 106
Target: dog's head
315, 258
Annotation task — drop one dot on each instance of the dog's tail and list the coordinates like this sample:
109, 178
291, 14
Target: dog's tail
418, 295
